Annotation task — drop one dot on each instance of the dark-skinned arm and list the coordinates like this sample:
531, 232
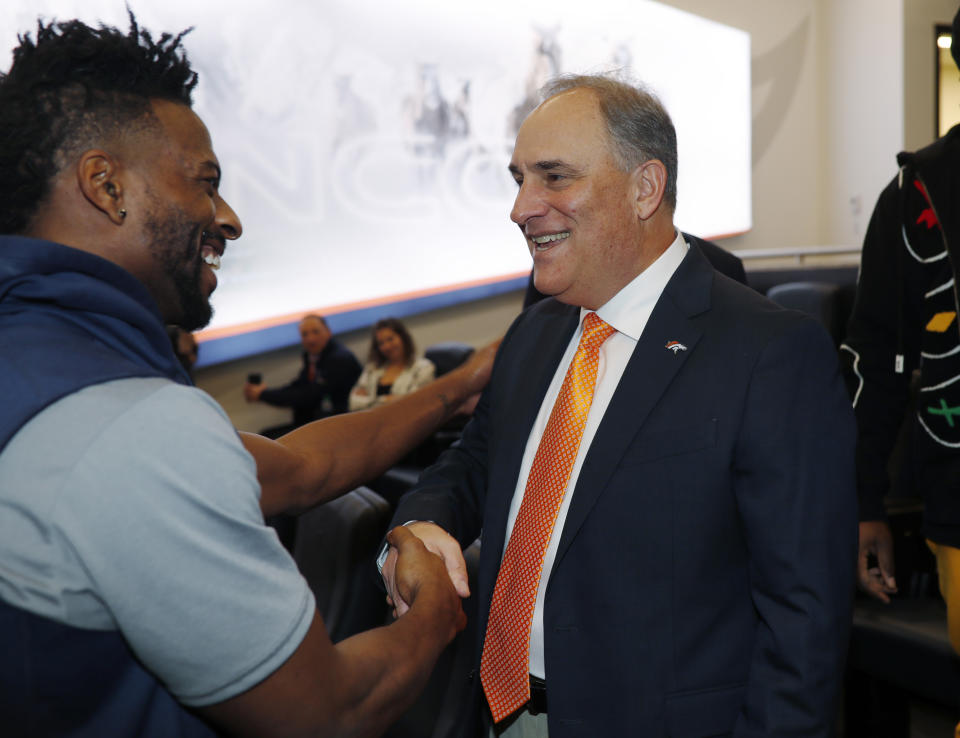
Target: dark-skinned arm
361, 685
329, 457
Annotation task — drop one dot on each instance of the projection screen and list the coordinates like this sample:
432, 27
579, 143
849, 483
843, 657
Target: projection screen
365, 144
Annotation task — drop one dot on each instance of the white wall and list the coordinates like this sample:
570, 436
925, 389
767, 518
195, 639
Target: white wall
862, 86
879, 84
787, 128
840, 86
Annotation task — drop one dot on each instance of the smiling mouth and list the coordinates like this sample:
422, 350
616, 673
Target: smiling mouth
545, 241
210, 250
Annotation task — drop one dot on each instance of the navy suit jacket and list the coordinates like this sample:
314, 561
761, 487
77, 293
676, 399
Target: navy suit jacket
705, 575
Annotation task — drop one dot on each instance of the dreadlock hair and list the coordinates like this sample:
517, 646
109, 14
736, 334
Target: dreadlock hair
72, 89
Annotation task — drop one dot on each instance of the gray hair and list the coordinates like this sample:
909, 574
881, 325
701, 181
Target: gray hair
639, 126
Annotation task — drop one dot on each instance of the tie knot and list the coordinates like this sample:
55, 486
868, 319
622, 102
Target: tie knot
595, 331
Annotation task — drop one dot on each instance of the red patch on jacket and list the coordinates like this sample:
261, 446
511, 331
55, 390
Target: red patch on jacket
927, 216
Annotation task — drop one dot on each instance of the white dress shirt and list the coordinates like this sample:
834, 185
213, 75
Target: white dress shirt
628, 312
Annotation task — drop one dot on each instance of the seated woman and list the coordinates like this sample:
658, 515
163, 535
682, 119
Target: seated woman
392, 369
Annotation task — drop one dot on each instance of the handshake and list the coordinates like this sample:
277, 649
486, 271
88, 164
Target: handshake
424, 557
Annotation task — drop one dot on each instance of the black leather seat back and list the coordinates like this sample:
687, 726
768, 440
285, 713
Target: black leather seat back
336, 547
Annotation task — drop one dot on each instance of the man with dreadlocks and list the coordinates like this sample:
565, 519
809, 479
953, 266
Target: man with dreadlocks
140, 592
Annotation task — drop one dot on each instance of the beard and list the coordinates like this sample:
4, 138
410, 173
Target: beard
175, 243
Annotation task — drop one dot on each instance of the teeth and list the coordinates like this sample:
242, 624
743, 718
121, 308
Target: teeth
212, 260
540, 240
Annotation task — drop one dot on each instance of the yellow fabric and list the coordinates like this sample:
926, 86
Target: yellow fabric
948, 571
504, 665
940, 322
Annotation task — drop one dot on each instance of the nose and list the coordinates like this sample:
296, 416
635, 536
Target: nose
227, 220
527, 205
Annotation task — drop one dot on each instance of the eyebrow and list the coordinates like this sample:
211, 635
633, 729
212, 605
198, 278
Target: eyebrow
548, 165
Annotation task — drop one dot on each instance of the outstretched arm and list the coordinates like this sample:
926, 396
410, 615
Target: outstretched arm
324, 459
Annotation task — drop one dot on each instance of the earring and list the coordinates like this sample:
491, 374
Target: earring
122, 213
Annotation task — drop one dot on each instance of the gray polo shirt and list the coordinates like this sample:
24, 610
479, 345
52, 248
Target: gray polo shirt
133, 506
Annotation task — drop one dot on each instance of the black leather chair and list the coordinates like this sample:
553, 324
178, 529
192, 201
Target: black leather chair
448, 355
396, 482
335, 549
819, 299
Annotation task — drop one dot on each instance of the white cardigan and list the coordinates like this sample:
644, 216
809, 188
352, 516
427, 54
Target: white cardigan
415, 376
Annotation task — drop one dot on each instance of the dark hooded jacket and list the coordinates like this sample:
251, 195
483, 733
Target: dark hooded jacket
904, 327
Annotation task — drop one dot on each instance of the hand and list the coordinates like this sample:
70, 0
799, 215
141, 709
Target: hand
253, 391
478, 367
360, 391
875, 540
436, 540
414, 567
469, 405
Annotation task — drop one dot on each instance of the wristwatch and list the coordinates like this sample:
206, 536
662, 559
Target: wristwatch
382, 556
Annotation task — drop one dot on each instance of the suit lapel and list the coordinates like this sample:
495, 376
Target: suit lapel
645, 380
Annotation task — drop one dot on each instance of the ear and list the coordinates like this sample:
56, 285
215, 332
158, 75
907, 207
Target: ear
99, 181
650, 182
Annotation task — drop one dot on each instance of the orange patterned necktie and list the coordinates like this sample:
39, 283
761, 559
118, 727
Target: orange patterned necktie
504, 666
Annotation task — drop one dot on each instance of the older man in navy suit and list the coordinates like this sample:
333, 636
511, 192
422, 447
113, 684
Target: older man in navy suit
680, 560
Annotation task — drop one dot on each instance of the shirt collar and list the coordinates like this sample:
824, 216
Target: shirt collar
628, 310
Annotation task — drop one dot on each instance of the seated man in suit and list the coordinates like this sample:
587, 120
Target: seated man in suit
323, 385
661, 465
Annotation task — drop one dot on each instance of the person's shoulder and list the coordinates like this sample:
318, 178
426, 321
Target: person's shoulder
131, 412
159, 398
130, 407
738, 309
335, 348
942, 152
107, 400
339, 352
720, 259
170, 436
